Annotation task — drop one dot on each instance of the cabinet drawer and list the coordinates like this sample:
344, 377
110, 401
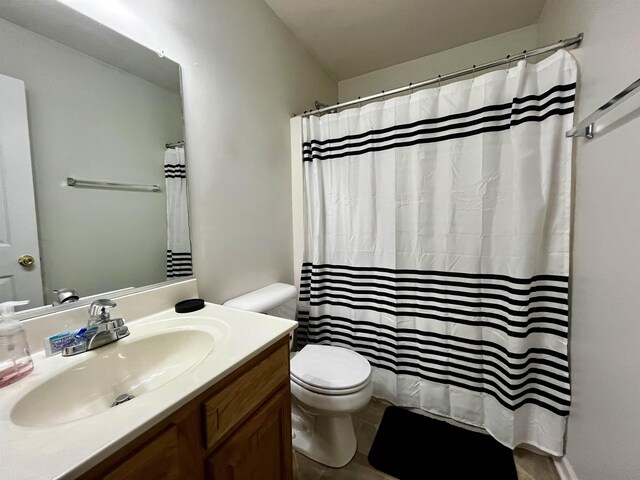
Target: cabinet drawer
244, 394
259, 448
157, 459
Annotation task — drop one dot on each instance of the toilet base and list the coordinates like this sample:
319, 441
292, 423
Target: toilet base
327, 439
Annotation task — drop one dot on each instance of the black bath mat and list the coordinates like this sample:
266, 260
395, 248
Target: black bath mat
410, 446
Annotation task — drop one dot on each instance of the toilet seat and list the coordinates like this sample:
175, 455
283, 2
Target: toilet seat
330, 370
328, 391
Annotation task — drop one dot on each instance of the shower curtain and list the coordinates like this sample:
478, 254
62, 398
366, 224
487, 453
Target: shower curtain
178, 240
437, 246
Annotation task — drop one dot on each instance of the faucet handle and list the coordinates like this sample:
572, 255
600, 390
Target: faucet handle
99, 310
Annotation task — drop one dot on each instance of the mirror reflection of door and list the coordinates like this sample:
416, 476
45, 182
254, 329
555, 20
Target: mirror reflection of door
20, 275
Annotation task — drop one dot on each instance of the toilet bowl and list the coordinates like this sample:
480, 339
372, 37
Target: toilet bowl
328, 384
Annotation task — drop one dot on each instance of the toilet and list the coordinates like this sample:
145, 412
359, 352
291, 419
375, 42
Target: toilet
328, 384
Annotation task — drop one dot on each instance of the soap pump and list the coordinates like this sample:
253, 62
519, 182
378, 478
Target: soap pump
15, 360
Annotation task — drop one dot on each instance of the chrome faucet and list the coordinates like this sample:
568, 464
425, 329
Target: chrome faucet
65, 295
101, 329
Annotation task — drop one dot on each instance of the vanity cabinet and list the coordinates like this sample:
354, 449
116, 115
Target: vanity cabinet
254, 450
239, 429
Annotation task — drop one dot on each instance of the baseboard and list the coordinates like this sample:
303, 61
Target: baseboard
564, 468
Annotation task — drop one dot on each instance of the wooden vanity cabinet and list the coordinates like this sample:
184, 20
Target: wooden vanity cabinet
254, 449
239, 429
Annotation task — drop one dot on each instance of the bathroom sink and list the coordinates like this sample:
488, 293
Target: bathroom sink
64, 410
130, 367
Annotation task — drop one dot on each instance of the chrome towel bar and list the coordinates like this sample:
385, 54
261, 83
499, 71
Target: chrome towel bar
586, 128
76, 182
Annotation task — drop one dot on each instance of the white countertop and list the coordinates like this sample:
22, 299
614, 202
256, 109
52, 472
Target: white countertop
70, 449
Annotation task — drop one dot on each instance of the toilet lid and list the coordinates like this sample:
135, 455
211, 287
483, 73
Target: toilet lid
330, 369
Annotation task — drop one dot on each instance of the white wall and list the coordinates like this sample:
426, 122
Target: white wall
89, 120
603, 436
438, 64
244, 74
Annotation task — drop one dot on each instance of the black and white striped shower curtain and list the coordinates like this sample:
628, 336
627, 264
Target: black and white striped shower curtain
178, 240
437, 246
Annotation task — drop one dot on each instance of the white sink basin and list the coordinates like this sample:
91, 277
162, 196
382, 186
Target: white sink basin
62, 410
135, 365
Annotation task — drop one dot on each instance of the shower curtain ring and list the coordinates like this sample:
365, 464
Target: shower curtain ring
411, 88
439, 81
359, 103
508, 62
473, 73
525, 55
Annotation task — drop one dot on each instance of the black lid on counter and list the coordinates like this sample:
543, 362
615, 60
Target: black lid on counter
191, 305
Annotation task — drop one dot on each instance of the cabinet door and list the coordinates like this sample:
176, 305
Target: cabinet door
157, 459
260, 449
224, 410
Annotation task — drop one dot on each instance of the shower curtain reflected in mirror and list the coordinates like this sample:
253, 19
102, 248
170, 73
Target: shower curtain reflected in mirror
179, 262
437, 246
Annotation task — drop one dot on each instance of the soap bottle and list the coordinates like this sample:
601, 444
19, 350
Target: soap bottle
15, 360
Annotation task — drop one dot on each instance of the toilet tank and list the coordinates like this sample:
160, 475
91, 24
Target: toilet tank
277, 299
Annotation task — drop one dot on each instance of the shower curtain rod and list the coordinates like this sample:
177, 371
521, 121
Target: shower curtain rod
569, 42
174, 145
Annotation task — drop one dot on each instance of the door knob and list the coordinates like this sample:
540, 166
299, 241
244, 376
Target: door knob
26, 260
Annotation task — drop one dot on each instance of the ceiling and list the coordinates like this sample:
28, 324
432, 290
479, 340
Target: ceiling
62, 24
352, 37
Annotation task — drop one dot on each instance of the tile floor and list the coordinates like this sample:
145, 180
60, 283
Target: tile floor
529, 465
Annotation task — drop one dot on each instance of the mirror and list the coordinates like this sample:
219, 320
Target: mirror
81, 101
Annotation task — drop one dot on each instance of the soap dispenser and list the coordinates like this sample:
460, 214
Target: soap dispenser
15, 360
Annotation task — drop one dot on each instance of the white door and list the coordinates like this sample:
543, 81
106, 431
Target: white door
18, 230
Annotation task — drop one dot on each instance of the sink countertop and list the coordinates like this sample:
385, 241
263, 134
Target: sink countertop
69, 449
